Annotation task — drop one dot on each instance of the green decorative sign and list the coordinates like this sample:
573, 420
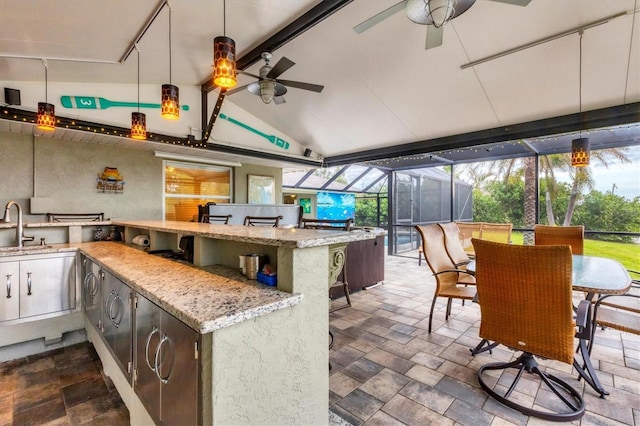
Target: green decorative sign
92, 102
271, 138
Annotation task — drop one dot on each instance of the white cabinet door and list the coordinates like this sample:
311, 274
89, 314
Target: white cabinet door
47, 285
10, 293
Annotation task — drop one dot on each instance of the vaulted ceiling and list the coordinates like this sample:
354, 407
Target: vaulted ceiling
382, 88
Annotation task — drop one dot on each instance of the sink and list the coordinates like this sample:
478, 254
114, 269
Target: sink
24, 248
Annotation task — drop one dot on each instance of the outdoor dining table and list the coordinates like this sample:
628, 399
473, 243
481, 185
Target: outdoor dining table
592, 275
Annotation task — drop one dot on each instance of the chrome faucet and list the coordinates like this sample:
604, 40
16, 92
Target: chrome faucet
20, 237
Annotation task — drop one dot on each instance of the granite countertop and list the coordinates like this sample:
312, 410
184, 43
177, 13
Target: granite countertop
282, 237
206, 299
55, 224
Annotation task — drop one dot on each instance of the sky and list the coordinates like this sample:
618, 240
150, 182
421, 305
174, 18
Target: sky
626, 177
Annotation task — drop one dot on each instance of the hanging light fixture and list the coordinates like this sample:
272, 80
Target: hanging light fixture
170, 106
46, 118
580, 147
138, 119
440, 11
224, 57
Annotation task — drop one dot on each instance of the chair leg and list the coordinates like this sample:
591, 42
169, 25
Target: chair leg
573, 402
446, 317
482, 348
345, 286
433, 305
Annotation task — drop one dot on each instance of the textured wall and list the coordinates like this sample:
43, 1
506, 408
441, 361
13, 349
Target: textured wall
66, 172
286, 381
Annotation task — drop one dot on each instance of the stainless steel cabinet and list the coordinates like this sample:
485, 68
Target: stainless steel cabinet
167, 365
117, 331
92, 291
107, 305
38, 285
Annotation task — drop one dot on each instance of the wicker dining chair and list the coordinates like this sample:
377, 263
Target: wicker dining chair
498, 232
456, 252
447, 276
273, 221
469, 230
525, 301
545, 235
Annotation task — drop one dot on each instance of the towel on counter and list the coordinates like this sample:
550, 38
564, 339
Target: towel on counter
141, 240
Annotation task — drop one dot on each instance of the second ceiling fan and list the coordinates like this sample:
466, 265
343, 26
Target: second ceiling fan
433, 13
269, 87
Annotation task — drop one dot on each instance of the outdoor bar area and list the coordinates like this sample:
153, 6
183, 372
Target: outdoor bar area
276, 213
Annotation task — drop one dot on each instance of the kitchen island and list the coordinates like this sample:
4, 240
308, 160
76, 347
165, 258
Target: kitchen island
264, 351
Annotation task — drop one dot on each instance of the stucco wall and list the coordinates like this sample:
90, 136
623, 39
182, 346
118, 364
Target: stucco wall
64, 178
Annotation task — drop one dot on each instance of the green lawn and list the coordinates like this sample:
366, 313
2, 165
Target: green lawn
627, 254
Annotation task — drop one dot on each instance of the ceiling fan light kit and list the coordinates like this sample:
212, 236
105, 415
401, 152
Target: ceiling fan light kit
434, 13
224, 62
269, 87
438, 12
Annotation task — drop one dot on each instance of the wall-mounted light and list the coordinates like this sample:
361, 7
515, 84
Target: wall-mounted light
580, 152
138, 119
170, 106
46, 118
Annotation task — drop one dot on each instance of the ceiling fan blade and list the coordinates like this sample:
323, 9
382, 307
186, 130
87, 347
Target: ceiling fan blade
279, 100
376, 19
280, 67
249, 74
300, 85
515, 2
236, 89
434, 37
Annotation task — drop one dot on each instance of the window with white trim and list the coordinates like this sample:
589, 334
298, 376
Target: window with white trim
187, 185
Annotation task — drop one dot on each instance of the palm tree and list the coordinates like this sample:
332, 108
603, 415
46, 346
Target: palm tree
583, 179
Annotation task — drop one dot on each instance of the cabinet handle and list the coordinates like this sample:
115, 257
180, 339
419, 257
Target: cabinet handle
8, 286
90, 286
164, 380
28, 283
113, 317
107, 304
146, 348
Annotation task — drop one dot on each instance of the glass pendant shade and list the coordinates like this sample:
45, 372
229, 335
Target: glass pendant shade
441, 11
138, 126
580, 152
46, 119
170, 107
267, 90
224, 62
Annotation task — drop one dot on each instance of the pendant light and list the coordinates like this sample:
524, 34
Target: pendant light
440, 11
138, 119
46, 118
170, 106
224, 57
580, 146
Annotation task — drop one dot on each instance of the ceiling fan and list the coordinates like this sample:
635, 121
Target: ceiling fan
434, 13
269, 87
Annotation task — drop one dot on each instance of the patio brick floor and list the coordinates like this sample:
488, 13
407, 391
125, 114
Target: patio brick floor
388, 370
